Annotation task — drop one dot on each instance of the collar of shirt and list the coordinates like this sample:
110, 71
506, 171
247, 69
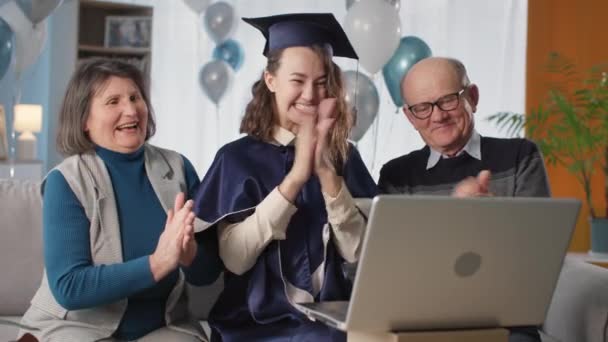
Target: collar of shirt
282, 136
472, 147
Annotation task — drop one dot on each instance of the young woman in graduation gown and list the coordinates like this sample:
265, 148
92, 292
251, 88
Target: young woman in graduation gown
282, 197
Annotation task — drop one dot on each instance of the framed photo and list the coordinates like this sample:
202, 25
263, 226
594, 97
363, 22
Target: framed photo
3, 133
128, 31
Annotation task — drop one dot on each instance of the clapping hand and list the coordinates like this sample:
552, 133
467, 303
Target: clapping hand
175, 243
312, 152
189, 245
325, 120
474, 187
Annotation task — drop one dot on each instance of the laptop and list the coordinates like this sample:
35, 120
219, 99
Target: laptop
433, 262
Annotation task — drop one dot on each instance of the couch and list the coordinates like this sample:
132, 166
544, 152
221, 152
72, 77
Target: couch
578, 312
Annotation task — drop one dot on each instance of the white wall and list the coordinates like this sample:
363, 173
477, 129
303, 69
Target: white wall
62, 42
488, 36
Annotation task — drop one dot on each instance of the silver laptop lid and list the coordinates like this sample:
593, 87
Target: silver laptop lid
432, 262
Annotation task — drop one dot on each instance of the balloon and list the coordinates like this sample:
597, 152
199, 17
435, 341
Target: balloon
395, 3
365, 110
215, 78
29, 39
220, 21
374, 29
6, 47
38, 10
230, 52
411, 50
198, 6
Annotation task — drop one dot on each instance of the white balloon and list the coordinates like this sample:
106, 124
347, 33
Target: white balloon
198, 6
374, 29
29, 39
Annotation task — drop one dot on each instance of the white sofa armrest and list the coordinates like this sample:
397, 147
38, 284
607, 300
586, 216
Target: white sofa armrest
579, 308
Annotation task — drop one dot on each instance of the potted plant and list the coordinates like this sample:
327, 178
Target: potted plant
571, 130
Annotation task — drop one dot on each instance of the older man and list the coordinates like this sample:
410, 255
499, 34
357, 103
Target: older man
440, 102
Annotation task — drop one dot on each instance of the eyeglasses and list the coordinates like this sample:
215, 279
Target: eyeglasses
448, 102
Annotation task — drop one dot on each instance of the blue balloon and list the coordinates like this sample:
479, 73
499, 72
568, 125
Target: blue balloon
411, 50
6, 46
231, 52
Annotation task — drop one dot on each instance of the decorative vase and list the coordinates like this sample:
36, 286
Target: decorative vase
599, 236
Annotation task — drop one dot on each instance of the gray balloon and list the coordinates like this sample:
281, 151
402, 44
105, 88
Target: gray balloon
37, 10
220, 21
394, 3
215, 78
361, 88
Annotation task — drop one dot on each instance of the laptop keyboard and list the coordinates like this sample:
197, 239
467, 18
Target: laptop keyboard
336, 310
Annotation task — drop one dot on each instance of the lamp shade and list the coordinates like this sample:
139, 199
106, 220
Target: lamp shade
28, 118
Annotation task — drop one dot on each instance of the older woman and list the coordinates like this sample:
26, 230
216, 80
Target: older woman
282, 196
118, 231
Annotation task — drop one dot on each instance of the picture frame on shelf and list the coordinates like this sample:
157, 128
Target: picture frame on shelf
3, 133
128, 31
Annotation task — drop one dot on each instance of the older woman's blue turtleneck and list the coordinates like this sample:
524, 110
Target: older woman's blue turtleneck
76, 284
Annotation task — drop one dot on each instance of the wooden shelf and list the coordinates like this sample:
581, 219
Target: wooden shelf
112, 5
113, 50
93, 24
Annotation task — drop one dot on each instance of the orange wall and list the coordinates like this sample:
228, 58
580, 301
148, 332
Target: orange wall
577, 29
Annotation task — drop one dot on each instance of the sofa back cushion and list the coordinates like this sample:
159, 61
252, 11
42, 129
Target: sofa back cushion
21, 259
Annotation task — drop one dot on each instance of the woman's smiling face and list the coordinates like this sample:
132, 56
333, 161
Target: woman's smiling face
299, 84
118, 116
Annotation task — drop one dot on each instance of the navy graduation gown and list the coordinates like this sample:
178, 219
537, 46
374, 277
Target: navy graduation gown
254, 306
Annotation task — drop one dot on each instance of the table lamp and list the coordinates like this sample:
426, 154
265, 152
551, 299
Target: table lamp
28, 120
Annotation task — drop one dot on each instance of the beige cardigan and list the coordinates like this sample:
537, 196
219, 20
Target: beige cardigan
88, 178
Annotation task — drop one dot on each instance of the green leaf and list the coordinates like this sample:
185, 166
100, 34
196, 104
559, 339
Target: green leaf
571, 126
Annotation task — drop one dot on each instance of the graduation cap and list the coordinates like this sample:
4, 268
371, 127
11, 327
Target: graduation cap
303, 29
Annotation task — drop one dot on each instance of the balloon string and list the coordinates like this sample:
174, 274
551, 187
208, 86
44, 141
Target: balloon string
355, 106
198, 38
375, 138
11, 125
356, 86
217, 126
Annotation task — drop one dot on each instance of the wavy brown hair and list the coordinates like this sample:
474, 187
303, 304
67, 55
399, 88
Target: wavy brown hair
261, 115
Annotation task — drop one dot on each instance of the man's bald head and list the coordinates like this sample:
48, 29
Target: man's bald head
451, 70
444, 101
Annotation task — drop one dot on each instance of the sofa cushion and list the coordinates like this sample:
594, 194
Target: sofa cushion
21, 259
8, 330
202, 298
579, 308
